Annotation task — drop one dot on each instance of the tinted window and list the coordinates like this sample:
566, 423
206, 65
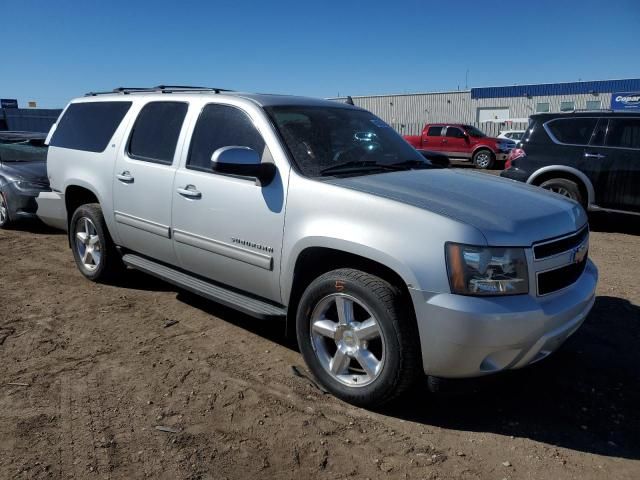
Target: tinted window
221, 126
89, 126
624, 132
599, 133
434, 132
576, 131
155, 133
454, 132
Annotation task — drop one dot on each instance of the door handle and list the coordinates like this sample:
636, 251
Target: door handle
125, 177
594, 155
190, 192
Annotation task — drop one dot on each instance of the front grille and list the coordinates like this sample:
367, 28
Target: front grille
554, 280
554, 247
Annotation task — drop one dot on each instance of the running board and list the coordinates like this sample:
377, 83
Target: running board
238, 301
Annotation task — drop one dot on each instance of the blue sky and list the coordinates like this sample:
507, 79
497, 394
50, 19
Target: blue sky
55, 50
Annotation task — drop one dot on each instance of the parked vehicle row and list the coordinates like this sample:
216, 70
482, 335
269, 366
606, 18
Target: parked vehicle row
386, 267
462, 142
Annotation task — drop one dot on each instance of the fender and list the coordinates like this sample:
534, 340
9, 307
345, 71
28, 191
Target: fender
591, 194
481, 146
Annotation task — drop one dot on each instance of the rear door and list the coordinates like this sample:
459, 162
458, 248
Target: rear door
142, 187
432, 138
619, 186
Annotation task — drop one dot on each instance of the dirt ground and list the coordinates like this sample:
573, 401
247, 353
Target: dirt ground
93, 385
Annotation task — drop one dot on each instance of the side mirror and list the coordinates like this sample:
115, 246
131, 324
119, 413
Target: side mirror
242, 162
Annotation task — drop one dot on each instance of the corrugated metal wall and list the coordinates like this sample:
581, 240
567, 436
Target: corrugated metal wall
29, 119
408, 113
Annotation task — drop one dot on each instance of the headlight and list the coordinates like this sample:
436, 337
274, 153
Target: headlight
486, 271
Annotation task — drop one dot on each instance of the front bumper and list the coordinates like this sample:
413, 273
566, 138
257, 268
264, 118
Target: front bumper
463, 336
22, 203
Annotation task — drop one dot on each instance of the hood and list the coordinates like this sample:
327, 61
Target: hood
507, 212
31, 171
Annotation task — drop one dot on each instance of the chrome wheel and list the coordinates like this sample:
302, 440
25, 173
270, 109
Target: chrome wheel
88, 244
347, 340
4, 210
483, 160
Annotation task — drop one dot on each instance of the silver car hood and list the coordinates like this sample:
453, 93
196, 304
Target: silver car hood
507, 212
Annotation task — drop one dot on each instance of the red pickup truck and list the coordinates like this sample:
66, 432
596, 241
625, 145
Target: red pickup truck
462, 141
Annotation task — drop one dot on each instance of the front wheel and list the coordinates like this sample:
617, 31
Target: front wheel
484, 159
4, 212
93, 250
358, 337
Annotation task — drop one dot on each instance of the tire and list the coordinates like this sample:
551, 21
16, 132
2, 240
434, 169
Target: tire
564, 187
380, 325
5, 220
484, 159
93, 249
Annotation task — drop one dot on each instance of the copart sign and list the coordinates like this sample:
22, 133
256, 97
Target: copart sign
626, 101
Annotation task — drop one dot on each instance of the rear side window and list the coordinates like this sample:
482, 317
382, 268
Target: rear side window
576, 131
89, 126
434, 132
221, 126
624, 133
155, 134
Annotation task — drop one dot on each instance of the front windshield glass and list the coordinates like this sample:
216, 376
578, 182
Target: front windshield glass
22, 152
474, 132
334, 140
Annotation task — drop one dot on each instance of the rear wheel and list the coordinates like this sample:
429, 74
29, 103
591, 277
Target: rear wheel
358, 337
484, 159
564, 187
4, 212
93, 250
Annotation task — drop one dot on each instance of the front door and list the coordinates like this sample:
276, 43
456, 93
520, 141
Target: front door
456, 143
228, 228
432, 138
142, 187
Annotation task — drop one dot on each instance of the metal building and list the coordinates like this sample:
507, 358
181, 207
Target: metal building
491, 109
28, 119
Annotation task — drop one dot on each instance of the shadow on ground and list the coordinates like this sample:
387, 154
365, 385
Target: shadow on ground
585, 397
614, 223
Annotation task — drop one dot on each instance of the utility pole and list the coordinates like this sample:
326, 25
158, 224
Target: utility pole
466, 80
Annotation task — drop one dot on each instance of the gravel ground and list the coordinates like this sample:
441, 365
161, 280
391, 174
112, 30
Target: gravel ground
94, 385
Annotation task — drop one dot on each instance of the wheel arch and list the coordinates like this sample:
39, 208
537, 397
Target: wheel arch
76, 195
562, 171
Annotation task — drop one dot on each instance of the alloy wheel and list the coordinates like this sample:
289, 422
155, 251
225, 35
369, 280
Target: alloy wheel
88, 244
347, 340
483, 160
4, 210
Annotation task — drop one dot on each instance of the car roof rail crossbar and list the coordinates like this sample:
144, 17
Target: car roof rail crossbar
159, 88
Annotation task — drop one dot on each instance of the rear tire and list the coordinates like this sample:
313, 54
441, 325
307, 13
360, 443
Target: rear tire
93, 249
564, 187
367, 355
484, 159
5, 221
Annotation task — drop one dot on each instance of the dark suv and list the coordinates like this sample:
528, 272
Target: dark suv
592, 157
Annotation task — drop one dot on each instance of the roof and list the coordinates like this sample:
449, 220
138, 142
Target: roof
261, 99
548, 89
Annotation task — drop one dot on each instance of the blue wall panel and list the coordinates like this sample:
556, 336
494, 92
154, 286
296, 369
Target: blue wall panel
546, 89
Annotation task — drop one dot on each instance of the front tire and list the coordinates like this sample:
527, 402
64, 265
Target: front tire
564, 187
93, 249
484, 159
358, 337
5, 221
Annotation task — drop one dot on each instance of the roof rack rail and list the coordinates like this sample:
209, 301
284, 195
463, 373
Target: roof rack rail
589, 110
159, 88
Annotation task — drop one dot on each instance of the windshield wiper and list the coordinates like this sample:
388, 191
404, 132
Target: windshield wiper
412, 163
358, 165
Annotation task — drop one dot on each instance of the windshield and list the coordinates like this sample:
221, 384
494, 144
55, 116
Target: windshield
22, 152
474, 132
335, 140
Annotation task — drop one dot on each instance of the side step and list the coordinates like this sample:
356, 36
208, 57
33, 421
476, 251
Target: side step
238, 301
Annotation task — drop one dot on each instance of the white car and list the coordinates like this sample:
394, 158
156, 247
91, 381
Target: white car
514, 135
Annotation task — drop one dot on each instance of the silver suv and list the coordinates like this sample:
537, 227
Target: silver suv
387, 267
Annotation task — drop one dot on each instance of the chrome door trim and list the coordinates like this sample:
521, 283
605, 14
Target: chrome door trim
225, 249
142, 224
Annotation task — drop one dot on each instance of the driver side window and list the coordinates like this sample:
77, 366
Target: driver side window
221, 126
454, 132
